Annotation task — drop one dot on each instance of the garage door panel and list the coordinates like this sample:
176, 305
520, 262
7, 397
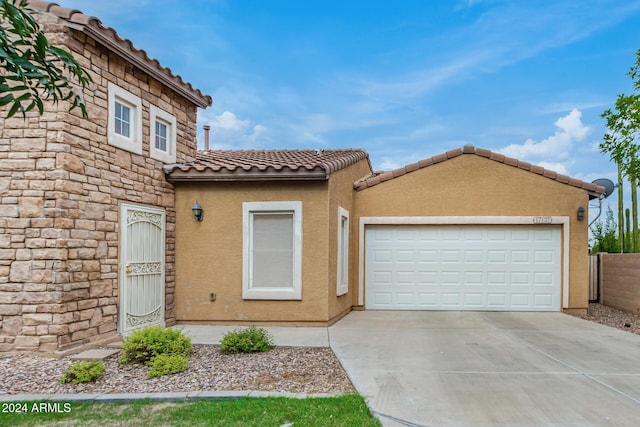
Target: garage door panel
383, 299
544, 257
462, 267
382, 277
543, 278
497, 235
428, 256
451, 256
496, 278
427, 277
520, 300
520, 256
497, 301
450, 234
450, 299
474, 278
474, 299
473, 235
405, 255
496, 256
427, 299
520, 278
543, 235
520, 235
405, 277
451, 277
474, 255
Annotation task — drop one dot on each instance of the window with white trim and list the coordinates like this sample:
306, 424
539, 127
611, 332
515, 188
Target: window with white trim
124, 129
163, 135
343, 252
272, 250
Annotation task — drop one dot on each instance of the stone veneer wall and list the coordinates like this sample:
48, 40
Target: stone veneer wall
60, 188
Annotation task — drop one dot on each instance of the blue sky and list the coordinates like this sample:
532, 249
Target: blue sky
404, 80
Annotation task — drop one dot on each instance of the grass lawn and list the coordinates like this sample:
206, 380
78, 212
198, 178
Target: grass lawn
346, 410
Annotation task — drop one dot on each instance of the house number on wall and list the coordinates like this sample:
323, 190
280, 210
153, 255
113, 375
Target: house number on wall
542, 220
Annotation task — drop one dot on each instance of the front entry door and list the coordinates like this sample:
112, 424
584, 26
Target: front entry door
142, 264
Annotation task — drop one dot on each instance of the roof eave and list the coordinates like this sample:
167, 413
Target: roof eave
208, 175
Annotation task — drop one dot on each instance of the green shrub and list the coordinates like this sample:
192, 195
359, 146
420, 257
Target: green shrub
83, 372
145, 344
249, 340
166, 364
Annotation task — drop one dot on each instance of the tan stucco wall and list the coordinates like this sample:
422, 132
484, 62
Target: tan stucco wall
469, 185
341, 194
209, 253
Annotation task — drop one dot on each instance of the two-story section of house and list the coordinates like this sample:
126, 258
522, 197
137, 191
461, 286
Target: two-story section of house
87, 219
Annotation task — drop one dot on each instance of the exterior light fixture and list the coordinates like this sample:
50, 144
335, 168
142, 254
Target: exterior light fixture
197, 211
580, 213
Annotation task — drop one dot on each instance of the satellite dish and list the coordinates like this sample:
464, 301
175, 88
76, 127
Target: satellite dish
608, 185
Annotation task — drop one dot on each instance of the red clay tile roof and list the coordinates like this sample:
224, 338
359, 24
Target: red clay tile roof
594, 190
259, 165
107, 36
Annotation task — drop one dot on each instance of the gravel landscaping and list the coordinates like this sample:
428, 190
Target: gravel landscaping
286, 369
611, 317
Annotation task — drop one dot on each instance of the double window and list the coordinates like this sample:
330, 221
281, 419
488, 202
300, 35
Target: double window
272, 250
125, 126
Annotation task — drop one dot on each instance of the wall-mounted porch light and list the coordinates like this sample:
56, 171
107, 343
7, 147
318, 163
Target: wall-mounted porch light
197, 211
580, 213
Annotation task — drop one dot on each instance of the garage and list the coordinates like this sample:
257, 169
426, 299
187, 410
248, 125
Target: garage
514, 267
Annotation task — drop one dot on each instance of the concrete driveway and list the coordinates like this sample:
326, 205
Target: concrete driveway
489, 369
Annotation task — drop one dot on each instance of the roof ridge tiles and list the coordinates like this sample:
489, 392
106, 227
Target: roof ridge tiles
379, 177
305, 164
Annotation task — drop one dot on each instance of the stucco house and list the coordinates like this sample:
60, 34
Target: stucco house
117, 221
303, 237
87, 219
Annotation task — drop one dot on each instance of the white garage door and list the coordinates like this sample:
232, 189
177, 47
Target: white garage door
469, 267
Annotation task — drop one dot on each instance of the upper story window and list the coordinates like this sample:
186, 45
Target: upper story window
163, 135
125, 120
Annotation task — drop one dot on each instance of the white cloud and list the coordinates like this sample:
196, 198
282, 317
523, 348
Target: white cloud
502, 35
553, 152
228, 131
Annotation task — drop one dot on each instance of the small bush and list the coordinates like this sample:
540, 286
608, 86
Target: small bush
145, 344
249, 340
83, 372
166, 364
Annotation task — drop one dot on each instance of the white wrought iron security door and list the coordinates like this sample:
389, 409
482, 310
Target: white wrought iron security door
142, 266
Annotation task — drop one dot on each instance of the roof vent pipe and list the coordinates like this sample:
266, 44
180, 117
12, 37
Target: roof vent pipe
206, 136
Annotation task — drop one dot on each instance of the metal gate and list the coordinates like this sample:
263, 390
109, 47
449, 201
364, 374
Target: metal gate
142, 266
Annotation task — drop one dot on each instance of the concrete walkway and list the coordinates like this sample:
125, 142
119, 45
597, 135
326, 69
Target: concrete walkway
282, 336
490, 369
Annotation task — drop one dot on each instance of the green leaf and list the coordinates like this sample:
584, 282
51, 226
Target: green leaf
14, 109
28, 59
5, 100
